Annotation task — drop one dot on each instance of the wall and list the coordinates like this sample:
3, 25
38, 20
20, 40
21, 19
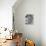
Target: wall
6, 16
43, 22
29, 31
6, 13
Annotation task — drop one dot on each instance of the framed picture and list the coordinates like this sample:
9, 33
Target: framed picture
29, 19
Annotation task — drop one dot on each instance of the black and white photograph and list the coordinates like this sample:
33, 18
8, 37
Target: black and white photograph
29, 19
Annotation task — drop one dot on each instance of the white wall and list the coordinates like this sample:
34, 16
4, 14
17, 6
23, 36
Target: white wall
6, 16
29, 31
43, 22
6, 13
39, 26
